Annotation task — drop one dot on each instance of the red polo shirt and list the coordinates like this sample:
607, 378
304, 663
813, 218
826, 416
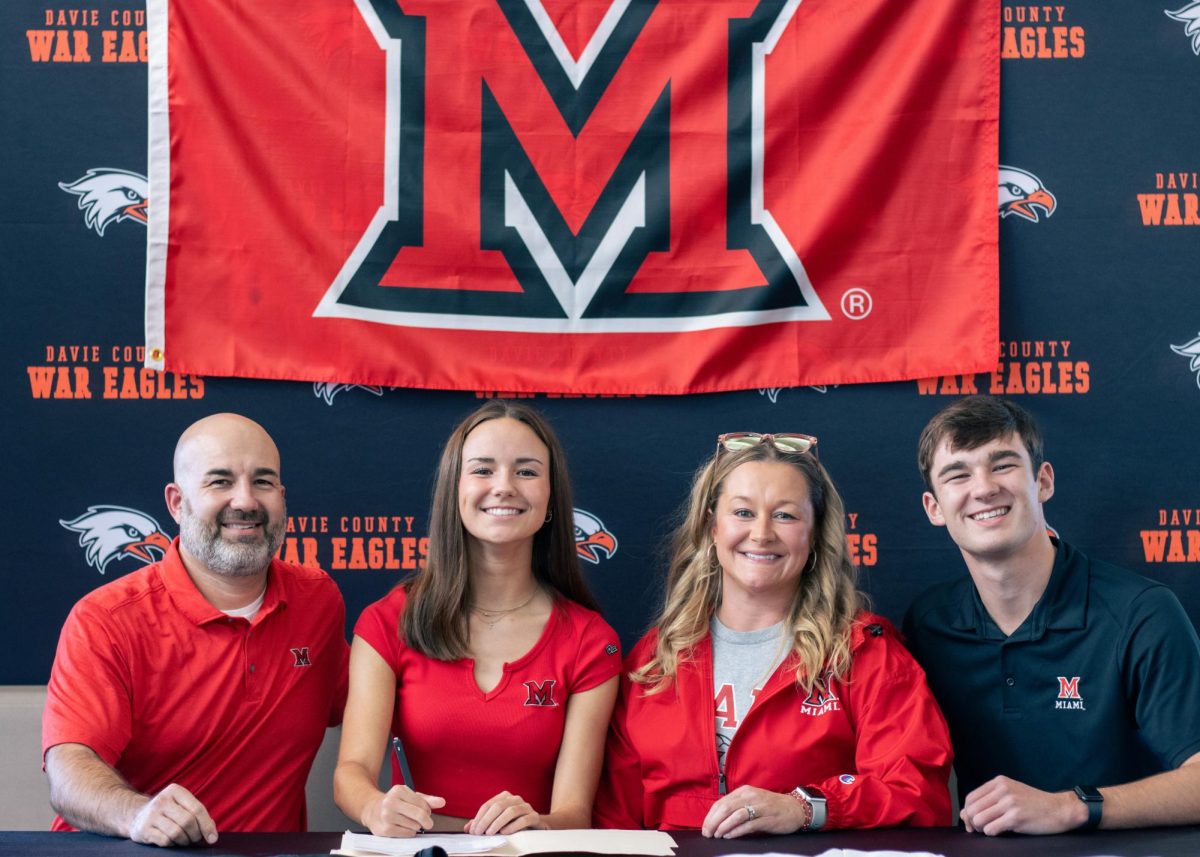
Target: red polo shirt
468, 746
167, 689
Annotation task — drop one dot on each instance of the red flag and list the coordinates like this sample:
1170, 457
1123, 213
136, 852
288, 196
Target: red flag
590, 197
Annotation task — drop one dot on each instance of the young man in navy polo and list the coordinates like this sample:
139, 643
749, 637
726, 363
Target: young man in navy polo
1070, 686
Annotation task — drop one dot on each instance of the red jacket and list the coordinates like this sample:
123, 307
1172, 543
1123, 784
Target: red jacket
875, 742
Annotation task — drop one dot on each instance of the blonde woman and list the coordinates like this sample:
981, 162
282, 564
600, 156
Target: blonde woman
765, 699
491, 664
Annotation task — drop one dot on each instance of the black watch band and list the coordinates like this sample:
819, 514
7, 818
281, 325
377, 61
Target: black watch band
1091, 796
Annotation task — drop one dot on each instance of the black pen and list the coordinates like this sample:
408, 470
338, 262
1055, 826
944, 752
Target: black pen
404, 771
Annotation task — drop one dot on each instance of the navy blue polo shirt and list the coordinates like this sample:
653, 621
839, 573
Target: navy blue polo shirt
1100, 685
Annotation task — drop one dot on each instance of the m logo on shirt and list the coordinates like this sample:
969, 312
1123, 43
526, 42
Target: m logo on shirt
822, 699
540, 694
1068, 688
1068, 694
301, 656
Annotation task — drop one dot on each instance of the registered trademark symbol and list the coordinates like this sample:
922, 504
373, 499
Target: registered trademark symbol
856, 304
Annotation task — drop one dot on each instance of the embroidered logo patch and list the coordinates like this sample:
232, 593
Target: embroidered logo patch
1068, 694
822, 699
540, 694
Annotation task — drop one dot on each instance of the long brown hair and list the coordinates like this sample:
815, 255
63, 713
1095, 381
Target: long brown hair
826, 600
434, 621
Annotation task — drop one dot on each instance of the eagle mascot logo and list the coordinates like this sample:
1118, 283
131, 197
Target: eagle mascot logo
326, 390
1189, 16
1191, 350
108, 533
108, 195
592, 539
772, 393
1021, 193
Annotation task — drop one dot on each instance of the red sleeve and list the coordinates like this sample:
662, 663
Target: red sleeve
598, 657
903, 753
89, 699
379, 626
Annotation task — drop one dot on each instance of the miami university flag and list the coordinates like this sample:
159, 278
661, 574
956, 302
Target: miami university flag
579, 196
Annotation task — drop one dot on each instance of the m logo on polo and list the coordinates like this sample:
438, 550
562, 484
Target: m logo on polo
301, 656
1068, 694
822, 699
556, 256
540, 694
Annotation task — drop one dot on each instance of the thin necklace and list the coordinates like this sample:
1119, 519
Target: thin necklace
487, 615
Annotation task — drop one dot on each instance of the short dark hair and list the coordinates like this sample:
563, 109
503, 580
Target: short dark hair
971, 422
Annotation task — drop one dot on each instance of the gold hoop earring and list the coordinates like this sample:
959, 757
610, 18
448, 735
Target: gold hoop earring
714, 562
811, 565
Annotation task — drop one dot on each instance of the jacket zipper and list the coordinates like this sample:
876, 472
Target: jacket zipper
706, 678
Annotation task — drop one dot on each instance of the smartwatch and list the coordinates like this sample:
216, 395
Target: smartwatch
1091, 796
815, 798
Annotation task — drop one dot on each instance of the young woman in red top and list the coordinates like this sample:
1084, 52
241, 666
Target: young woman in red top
490, 664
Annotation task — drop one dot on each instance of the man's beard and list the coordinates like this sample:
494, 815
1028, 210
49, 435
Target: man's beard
232, 558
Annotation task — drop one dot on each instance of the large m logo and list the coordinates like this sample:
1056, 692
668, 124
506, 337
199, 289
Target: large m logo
609, 185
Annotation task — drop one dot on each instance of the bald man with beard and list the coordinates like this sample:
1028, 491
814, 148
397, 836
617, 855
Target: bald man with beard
191, 696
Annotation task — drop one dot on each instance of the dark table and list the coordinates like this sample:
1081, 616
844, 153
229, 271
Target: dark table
1154, 842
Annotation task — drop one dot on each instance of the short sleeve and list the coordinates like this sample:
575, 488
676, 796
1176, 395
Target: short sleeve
598, 657
1161, 662
89, 698
379, 627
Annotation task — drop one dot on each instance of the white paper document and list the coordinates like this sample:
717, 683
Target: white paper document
360, 844
652, 843
841, 852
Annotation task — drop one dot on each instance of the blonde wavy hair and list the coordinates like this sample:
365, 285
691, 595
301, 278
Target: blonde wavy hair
826, 602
